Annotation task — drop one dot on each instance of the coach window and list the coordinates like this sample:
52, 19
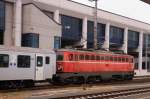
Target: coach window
81, 57
47, 60
4, 60
39, 61
23, 61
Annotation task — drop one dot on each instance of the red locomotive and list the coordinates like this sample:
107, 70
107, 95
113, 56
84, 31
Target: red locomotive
76, 66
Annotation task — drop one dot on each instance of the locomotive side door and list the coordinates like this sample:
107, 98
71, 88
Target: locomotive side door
39, 69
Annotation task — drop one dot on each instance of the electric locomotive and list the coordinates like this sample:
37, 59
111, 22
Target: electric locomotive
76, 66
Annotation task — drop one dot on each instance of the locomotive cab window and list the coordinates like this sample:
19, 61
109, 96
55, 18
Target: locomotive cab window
47, 60
60, 57
4, 60
23, 61
39, 61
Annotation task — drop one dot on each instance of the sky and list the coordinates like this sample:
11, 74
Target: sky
134, 9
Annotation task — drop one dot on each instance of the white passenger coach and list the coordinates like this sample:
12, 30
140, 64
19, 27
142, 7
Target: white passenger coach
21, 67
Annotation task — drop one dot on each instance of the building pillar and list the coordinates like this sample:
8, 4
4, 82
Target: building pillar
140, 50
84, 33
106, 42
56, 16
17, 31
125, 41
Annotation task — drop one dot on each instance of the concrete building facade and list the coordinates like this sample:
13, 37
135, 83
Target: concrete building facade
41, 24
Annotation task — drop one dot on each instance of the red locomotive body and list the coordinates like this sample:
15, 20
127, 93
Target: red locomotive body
76, 66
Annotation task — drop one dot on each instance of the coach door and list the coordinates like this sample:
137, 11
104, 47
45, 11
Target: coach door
39, 67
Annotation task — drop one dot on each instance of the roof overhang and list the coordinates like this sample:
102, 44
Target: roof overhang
146, 1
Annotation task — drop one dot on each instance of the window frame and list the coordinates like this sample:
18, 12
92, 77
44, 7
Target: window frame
39, 65
5, 63
47, 60
23, 59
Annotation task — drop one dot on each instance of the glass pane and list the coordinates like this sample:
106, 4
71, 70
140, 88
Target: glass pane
39, 61
57, 42
23, 61
47, 60
60, 57
4, 60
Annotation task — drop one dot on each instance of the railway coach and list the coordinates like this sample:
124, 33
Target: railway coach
76, 66
21, 67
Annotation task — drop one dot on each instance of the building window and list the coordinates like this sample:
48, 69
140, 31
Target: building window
143, 65
71, 28
100, 34
133, 39
1, 37
2, 21
4, 60
57, 42
23, 61
116, 35
30, 40
2, 15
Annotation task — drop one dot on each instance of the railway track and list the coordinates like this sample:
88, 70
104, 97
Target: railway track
110, 95
47, 86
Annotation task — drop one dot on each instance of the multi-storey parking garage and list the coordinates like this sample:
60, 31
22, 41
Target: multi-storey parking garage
53, 24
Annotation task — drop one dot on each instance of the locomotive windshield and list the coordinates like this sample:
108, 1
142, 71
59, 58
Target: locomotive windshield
60, 57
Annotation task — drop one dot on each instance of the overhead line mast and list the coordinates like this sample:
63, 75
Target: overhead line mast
95, 24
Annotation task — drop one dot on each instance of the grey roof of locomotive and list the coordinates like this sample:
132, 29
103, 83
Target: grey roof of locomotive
93, 51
